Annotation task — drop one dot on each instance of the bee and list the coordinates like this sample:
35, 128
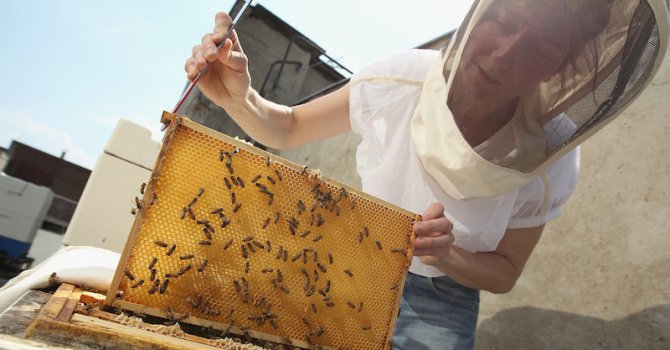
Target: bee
277, 215
236, 150
160, 244
314, 308
133, 211
310, 291
305, 233
379, 244
399, 251
137, 284
216, 211
138, 203
366, 231
348, 272
316, 276
268, 246
153, 275
279, 252
154, 288
184, 270
360, 307
205, 242
268, 161
227, 245
233, 198
212, 312
280, 277
164, 286
296, 257
330, 304
165, 126
171, 275
221, 155
238, 288
319, 220
247, 267
319, 331
321, 267
304, 257
244, 251
154, 198
272, 181
202, 266
171, 250
326, 288
266, 223
301, 207
234, 181
262, 188
294, 222
360, 237
267, 270
315, 256
366, 327
251, 247
279, 176
191, 214
273, 323
152, 263
351, 305
317, 238
201, 191
306, 322
129, 275
224, 221
237, 207
225, 180
255, 178
304, 170
230, 313
292, 229
183, 213
285, 256
353, 203
330, 258
271, 199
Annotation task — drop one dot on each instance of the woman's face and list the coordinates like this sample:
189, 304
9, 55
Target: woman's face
517, 45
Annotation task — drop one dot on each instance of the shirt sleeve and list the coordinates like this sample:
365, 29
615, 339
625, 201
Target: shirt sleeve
542, 200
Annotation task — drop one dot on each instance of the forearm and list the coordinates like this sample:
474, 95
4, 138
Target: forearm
266, 122
485, 270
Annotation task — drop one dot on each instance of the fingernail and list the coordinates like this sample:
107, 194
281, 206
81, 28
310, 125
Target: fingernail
418, 226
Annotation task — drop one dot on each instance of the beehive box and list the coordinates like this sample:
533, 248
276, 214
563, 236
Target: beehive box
232, 237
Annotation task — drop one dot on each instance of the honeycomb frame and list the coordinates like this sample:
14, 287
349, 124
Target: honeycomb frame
216, 231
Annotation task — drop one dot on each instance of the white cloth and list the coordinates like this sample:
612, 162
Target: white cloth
88, 267
383, 97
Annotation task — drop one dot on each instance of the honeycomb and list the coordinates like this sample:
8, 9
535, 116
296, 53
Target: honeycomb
235, 238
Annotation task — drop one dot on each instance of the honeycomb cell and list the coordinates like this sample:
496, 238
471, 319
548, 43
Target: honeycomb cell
290, 256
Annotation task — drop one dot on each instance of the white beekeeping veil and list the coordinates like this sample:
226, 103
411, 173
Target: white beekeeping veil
525, 81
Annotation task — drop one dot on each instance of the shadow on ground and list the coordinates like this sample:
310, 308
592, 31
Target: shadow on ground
537, 329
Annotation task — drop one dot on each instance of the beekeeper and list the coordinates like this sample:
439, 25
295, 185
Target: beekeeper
481, 137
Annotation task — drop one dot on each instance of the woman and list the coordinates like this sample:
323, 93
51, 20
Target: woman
481, 137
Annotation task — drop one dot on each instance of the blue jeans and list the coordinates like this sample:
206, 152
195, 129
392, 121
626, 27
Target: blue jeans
436, 313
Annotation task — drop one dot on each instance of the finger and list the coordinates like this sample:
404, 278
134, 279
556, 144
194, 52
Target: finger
433, 227
189, 67
442, 241
221, 24
235, 60
435, 210
199, 60
209, 48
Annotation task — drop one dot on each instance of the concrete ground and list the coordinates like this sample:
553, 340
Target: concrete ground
599, 278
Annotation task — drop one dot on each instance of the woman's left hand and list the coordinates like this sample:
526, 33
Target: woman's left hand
433, 235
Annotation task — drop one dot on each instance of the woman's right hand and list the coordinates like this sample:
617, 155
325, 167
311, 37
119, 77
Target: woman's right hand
227, 81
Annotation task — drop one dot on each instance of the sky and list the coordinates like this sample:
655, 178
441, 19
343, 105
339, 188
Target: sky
69, 69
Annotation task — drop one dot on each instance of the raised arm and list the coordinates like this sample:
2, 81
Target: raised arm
228, 84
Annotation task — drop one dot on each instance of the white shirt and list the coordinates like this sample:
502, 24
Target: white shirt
383, 97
